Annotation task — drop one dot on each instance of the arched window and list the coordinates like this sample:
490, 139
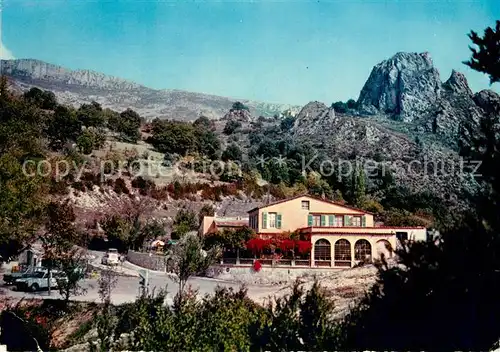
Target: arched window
322, 253
343, 253
384, 249
363, 251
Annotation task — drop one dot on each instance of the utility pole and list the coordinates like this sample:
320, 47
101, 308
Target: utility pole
144, 282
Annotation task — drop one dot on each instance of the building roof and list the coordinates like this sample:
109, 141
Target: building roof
233, 223
312, 197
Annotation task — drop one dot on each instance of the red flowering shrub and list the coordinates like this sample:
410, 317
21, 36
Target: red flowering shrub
303, 247
257, 266
257, 245
286, 245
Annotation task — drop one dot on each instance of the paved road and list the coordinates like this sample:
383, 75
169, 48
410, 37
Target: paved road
127, 288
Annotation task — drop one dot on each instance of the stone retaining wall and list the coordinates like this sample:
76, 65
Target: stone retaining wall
266, 275
147, 260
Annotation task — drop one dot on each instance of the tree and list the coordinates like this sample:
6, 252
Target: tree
22, 207
190, 259
89, 140
173, 137
106, 321
239, 106
72, 265
91, 115
358, 187
59, 239
352, 104
206, 210
43, 99
63, 126
185, 220
287, 123
129, 124
204, 123
486, 53
340, 107
232, 152
208, 143
231, 126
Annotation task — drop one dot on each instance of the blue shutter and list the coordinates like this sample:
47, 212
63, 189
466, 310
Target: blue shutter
363, 221
323, 220
309, 220
278, 221
346, 220
264, 220
331, 220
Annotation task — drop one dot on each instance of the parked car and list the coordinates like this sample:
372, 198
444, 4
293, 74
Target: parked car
11, 278
111, 257
38, 281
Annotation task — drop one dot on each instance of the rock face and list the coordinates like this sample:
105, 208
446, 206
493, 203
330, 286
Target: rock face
238, 115
314, 113
83, 86
403, 86
407, 87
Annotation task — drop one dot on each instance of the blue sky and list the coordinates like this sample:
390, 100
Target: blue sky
276, 51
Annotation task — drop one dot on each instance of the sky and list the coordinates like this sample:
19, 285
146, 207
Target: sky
275, 51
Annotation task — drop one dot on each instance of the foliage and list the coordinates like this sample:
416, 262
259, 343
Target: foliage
91, 115
89, 140
239, 106
287, 123
173, 137
232, 152
63, 126
185, 220
58, 242
206, 210
231, 127
190, 259
486, 52
128, 125
43, 99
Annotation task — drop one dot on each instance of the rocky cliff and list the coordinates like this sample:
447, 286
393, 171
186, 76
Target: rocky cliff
75, 87
407, 87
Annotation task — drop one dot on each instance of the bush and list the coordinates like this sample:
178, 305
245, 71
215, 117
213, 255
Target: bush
231, 126
120, 186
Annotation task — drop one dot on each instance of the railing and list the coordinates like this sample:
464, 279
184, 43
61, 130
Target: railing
302, 262
327, 263
246, 261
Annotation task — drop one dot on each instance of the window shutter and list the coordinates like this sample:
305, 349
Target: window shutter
278, 221
309, 220
264, 220
363, 221
323, 220
346, 220
331, 220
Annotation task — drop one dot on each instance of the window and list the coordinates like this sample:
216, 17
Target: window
316, 220
272, 220
339, 221
356, 221
305, 204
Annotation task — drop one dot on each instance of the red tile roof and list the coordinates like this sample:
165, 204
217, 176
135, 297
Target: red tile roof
312, 197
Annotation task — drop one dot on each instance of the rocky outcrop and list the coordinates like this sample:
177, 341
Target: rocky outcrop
407, 87
403, 86
75, 87
238, 115
488, 100
313, 114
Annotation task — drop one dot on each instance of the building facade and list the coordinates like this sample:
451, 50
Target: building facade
341, 236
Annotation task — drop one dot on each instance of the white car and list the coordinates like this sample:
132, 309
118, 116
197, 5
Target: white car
111, 257
38, 281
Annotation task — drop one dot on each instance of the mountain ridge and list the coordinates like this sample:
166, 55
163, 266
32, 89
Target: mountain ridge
75, 87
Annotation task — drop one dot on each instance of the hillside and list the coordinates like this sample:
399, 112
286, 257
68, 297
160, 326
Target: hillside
83, 86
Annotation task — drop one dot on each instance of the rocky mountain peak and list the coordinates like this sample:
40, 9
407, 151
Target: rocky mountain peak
457, 83
313, 114
403, 86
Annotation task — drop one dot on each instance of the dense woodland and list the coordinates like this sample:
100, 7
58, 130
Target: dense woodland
441, 298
